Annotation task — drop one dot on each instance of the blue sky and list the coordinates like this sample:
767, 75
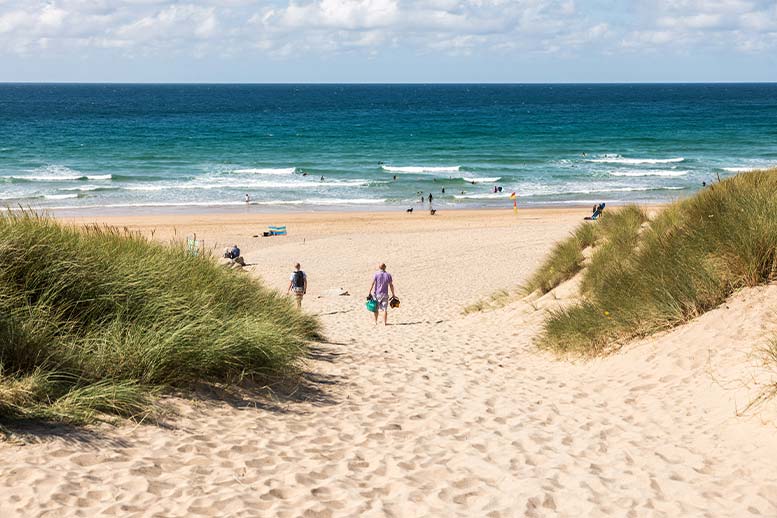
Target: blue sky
388, 40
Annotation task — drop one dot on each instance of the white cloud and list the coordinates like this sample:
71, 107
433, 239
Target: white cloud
288, 27
747, 25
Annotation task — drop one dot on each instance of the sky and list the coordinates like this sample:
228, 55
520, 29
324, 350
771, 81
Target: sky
427, 41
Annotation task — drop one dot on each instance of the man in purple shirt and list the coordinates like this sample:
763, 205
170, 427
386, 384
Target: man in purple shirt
382, 282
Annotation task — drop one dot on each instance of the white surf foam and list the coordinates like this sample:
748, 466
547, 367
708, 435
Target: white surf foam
313, 201
634, 161
270, 170
325, 201
650, 173
483, 196
58, 178
60, 196
739, 169
231, 184
482, 180
82, 188
420, 169
529, 192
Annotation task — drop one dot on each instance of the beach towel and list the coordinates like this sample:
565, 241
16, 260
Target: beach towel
275, 231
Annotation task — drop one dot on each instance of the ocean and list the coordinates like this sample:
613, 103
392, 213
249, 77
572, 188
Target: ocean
126, 148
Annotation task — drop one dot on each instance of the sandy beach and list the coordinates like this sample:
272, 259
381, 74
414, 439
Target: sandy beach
439, 413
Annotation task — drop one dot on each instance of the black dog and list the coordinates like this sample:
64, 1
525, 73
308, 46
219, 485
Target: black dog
410, 209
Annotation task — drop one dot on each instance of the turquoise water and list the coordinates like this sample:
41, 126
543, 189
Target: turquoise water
307, 147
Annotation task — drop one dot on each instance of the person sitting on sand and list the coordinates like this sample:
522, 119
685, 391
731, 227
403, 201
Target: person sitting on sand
234, 253
382, 282
597, 211
298, 283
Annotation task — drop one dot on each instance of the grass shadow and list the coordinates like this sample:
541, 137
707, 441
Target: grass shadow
31, 431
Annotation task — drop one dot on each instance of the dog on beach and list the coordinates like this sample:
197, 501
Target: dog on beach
410, 209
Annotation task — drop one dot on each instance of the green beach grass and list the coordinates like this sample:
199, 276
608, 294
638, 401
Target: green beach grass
616, 228
97, 321
688, 260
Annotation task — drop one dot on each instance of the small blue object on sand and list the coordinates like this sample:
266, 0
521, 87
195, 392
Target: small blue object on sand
597, 212
275, 231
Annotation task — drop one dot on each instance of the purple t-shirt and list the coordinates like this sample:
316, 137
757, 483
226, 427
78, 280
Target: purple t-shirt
382, 281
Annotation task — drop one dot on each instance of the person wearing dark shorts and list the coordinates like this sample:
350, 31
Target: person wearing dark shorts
298, 283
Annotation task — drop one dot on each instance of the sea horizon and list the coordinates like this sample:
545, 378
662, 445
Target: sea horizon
310, 146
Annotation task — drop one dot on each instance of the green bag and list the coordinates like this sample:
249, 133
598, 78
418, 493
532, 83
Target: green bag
372, 305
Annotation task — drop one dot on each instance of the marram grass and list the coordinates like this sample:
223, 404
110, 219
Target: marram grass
567, 259
95, 321
617, 228
692, 256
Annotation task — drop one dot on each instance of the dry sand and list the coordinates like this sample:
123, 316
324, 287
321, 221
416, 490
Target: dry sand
439, 414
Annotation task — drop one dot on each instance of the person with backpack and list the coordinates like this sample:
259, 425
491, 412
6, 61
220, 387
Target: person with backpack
298, 283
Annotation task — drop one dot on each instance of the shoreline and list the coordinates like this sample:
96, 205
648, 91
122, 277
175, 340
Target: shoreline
220, 217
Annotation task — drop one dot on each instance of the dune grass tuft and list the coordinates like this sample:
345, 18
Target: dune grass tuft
95, 321
617, 228
497, 300
685, 262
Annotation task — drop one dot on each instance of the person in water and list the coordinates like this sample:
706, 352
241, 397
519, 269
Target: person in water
248, 198
443, 190
430, 200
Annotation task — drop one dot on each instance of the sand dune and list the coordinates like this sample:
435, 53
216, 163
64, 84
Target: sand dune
439, 414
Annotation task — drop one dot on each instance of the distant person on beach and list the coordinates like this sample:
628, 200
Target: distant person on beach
234, 253
248, 198
443, 190
298, 283
422, 198
395, 178
382, 282
430, 200
322, 178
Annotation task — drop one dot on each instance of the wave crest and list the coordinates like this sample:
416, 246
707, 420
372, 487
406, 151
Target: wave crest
634, 161
650, 173
266, 170
420, 169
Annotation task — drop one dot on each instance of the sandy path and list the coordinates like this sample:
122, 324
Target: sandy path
440, 415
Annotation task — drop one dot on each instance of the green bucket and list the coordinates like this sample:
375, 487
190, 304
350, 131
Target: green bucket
372, 305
